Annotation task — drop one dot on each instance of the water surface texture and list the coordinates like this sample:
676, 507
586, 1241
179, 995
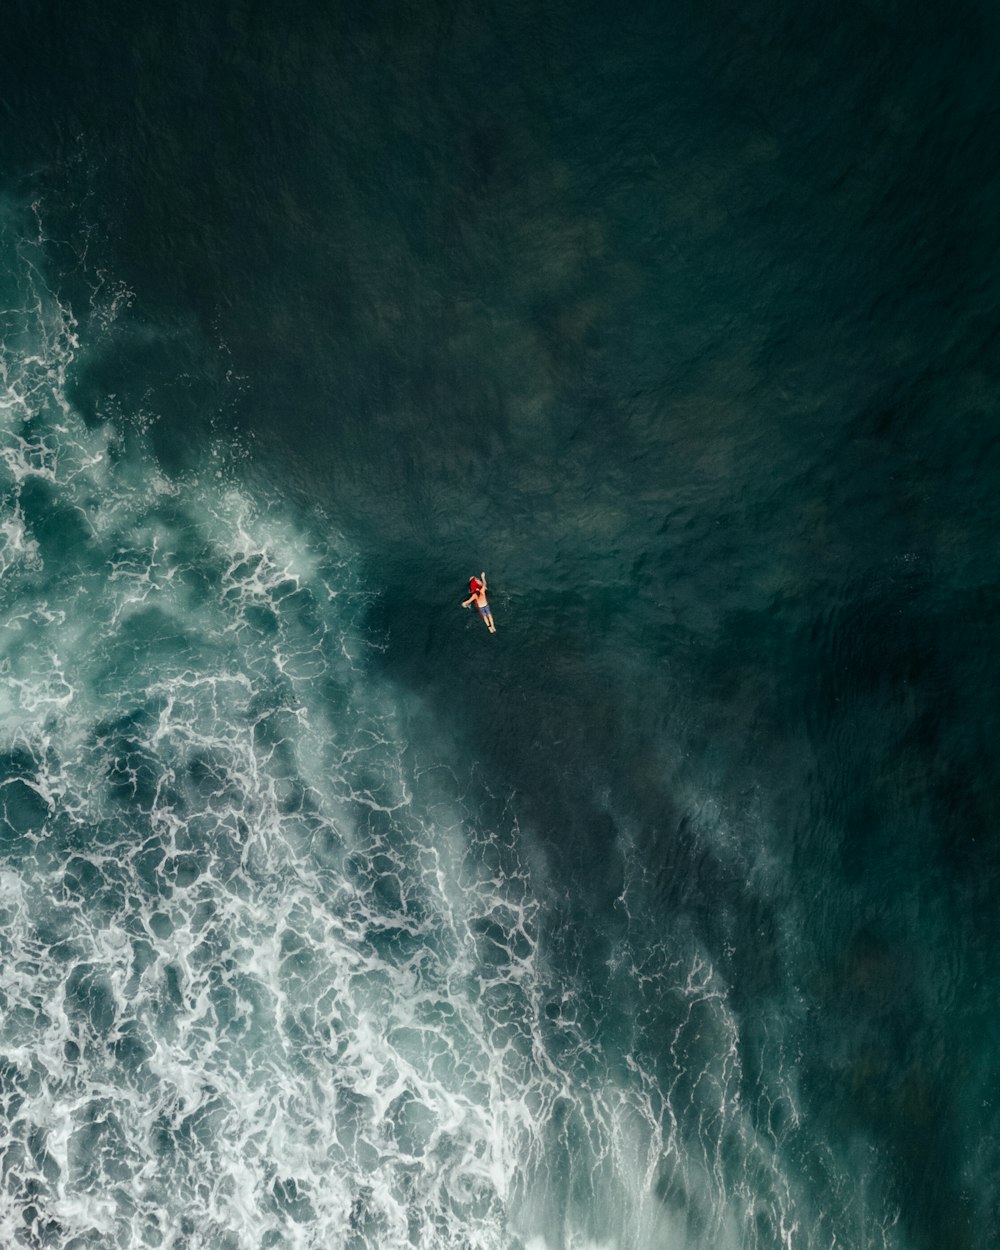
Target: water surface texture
665, 919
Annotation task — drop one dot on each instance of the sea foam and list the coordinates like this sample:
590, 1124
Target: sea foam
270, 974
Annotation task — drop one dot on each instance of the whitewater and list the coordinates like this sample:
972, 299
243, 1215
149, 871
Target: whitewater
273, 976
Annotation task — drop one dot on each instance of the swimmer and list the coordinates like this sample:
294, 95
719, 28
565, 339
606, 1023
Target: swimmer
478, 597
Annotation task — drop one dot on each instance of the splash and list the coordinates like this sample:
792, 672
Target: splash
270, 975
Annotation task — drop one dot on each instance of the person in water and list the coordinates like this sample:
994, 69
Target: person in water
478, 597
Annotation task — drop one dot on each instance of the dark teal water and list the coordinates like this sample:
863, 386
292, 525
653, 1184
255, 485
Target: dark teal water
665, 918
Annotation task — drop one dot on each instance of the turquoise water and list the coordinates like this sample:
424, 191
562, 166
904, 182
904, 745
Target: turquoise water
663, 919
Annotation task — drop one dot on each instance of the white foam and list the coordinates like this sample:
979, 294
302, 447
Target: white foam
261, 980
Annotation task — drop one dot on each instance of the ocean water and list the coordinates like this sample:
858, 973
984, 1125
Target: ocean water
666, 918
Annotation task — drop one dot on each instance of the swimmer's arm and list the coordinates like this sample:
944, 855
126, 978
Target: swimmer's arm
470, 599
